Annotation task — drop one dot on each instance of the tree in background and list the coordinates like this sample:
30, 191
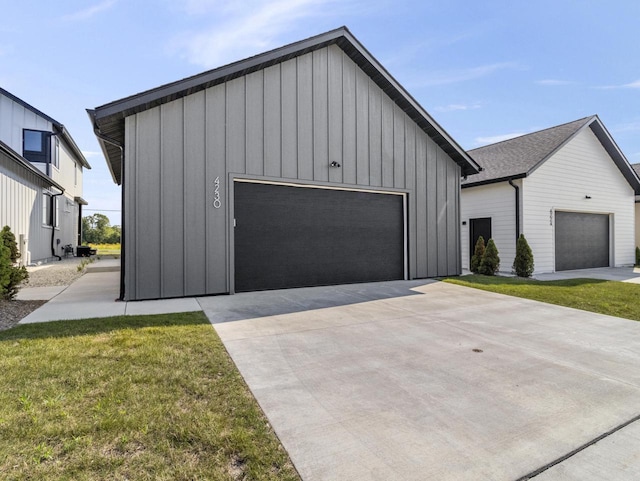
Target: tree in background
523, 262
490, 262
10, 275
97, 229
478, 252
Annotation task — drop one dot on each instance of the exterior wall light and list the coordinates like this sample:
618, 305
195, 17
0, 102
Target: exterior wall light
334, 164
587, 197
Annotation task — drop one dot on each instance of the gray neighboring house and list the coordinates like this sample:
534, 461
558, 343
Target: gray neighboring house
569, 189
40, 181
306, 165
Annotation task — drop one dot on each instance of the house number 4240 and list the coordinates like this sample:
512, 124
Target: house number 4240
217, 203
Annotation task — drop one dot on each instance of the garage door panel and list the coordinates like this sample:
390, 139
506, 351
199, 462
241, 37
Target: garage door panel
289, 236
582, 240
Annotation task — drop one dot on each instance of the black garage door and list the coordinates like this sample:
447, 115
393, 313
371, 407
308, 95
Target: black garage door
289, 236
582, 240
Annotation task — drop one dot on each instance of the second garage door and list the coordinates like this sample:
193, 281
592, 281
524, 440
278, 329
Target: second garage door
582, 240
288, 236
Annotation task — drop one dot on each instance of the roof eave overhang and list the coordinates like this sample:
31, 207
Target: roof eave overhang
494, 181
603, 135
80, 201
73, 146
109, 118
24, 163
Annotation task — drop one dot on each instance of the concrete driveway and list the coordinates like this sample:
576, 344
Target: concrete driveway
419, 380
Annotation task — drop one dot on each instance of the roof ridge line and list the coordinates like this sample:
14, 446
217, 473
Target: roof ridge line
532, 133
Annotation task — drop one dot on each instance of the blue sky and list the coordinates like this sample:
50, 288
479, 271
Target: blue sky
485, 70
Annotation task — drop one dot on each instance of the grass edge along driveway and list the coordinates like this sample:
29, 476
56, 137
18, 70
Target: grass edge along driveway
136, 397
620, 299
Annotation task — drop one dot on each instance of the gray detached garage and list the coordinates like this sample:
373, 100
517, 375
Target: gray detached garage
306, 165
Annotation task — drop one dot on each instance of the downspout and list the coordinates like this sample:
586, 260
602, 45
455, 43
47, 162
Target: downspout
79, 224
115, 143
53, 216
517, 208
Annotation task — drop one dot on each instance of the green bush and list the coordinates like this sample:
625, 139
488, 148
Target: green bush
10, 275
9, 240
478, 252
638, 256
523, 262
490, 262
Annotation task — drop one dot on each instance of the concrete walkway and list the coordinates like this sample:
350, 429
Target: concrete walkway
427, 380
622, 274
95, 294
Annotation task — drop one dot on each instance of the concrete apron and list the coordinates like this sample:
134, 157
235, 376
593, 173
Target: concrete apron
426, 380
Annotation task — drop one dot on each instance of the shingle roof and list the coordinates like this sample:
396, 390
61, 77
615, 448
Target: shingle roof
519, 157
514, 158
636, 167
108, 120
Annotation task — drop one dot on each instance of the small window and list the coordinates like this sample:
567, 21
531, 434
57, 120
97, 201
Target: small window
46, 209
35, 145
54, 155
75, 174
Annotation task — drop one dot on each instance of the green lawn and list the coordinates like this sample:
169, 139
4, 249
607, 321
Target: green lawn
619, 299
139, 398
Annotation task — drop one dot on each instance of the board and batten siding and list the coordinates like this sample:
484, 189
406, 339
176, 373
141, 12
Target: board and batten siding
581, 168
14, 117
637, 224
496, 201
285, 123
21, 209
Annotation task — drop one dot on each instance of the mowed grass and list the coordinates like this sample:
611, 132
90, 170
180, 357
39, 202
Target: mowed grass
107, 249
619, 299
137, 398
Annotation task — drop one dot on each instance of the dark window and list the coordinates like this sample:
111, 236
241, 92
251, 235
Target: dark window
46, 210
35, 145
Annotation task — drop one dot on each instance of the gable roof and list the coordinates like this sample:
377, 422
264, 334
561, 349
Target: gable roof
26, 165
108, 120
61, 129
519, 157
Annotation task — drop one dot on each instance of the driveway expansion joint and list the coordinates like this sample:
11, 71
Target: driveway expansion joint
561, 459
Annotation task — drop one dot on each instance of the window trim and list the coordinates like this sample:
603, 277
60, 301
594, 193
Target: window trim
45, 143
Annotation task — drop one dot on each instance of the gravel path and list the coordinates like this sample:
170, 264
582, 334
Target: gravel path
57, 273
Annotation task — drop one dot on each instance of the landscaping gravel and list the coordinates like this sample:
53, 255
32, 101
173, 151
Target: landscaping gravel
57, 273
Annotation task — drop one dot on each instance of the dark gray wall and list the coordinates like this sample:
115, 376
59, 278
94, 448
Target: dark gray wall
287, 122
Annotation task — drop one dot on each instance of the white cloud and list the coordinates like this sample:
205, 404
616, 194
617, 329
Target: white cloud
90, 153
628, 127
631, 85
458, 107
241, 30
554, 82
89, 11
463, 75
497, 138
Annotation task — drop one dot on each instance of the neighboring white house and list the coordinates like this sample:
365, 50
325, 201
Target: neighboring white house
40, 181
636, 167
569, 189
